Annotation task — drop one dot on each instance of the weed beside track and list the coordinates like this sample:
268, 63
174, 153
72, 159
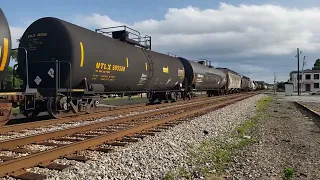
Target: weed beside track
212, 157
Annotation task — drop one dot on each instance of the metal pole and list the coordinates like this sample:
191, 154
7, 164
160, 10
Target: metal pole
274, 84
304, 58
57, 78
298, 72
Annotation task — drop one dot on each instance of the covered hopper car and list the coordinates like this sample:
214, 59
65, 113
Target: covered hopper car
233, 81
245, 84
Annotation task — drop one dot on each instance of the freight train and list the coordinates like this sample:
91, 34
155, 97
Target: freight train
66, 69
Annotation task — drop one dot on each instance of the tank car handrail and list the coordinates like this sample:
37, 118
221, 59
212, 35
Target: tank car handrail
144, 42
125, 28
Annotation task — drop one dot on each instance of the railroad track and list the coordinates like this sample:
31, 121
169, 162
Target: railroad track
99, 136
309, 112
106, 108
33, 127
101, 109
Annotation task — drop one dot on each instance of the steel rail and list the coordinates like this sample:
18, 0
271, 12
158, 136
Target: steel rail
18, 127
309, 112
13, 143
12, 166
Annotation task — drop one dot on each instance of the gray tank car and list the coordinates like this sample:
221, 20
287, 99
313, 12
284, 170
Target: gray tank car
201, 77
5, 45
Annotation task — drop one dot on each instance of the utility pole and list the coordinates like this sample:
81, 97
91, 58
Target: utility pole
298, 72
304, 62
274, 84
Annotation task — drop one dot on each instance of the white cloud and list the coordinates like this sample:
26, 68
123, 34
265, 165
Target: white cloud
16, 33
234, 32
97, 21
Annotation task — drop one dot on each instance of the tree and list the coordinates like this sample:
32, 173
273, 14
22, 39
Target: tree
14, 55
280, 85
316, 65
8, 80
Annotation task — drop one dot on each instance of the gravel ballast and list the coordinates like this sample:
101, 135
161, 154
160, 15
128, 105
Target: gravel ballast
154, 156
287, 146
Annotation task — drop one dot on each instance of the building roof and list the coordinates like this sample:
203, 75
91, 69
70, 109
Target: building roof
306, 71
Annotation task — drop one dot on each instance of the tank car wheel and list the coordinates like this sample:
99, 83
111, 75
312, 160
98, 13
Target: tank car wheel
189, 96
52, 108
167, 97
174, 97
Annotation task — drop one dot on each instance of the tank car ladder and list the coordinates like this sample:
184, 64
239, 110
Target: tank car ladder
148, 89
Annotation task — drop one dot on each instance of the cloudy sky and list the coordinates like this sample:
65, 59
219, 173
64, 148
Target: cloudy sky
255, 38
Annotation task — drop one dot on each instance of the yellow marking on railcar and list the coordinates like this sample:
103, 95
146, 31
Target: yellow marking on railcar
181, 73
194, 78
0, 50
127, 61
146, 66
5, 53
165, 69
7, 93
82, 54
77, 90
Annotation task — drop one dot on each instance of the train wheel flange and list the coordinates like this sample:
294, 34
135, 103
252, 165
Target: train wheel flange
56, 109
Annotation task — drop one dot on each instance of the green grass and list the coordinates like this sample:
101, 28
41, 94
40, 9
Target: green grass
212, 156
288, 174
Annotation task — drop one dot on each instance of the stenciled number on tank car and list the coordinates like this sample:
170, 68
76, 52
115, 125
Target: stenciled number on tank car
110, 67
106, 68
37, 35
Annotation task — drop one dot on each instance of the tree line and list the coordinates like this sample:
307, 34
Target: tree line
316, 65
8, 80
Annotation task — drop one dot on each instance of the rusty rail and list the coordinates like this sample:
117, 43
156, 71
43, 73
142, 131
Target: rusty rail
18, 127
16, 165
309, 112
13, 143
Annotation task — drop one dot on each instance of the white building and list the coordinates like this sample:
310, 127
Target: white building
310, 80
